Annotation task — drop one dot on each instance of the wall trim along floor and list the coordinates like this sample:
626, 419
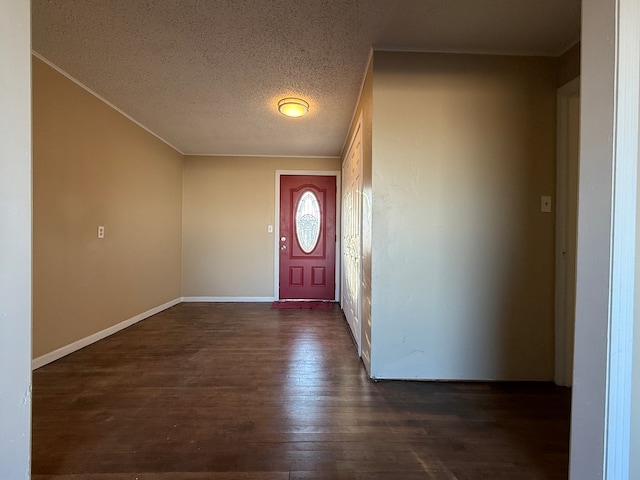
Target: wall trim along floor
72, 347
77, 345
228, 299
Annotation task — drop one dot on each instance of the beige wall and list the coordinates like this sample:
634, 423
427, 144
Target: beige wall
228, 204
93, 166
463, 259
15, 240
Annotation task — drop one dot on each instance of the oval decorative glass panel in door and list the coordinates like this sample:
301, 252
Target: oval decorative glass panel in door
308, 221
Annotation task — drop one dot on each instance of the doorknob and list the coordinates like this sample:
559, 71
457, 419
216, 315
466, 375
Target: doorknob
283, 248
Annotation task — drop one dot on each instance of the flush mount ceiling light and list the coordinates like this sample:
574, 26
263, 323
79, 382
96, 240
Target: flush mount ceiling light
293, 107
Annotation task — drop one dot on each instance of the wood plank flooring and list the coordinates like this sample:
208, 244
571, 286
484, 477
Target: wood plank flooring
246, 392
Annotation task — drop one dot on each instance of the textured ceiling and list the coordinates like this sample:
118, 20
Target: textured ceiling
205, 76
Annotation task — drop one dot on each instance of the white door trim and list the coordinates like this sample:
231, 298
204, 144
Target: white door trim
359, 331
601, 404
276, 236
563, 325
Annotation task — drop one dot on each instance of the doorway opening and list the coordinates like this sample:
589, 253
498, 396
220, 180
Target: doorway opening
307, 243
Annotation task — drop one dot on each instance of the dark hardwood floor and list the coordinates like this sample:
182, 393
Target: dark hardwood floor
246, 392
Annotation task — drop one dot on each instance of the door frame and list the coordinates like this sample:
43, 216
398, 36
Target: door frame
357, 132
564, 327
276, 230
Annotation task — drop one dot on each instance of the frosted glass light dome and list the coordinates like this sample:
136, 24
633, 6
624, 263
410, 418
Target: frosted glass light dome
293, 107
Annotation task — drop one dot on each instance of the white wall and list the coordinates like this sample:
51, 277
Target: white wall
635, 395
463, 259
15, 239
601, 402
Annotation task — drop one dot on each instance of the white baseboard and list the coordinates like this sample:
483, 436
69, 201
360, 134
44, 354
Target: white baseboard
66, 350
228, 299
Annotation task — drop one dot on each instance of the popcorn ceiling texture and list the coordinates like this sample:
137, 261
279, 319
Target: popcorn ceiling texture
206, 76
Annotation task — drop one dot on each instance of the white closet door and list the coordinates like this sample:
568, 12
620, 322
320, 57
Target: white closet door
352, 237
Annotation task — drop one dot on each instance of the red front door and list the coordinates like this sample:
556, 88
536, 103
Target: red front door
307, 237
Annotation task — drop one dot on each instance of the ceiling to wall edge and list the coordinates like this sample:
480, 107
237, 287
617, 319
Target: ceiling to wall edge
102, 99
130, 118
374, 49
353, 115
355, 107
532, 53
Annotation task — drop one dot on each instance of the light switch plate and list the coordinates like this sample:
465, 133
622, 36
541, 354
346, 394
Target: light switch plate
545, 204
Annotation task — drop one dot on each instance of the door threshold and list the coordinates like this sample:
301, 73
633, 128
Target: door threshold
303, 304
